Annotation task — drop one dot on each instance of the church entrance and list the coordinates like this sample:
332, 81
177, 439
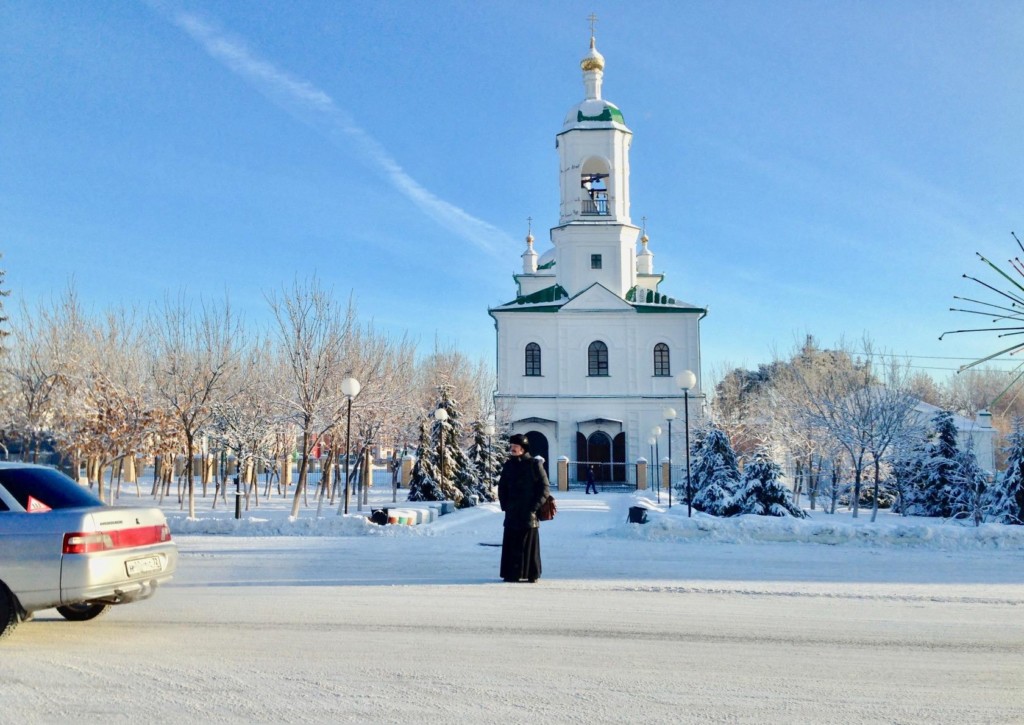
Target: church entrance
605, 454
599, 455
539, 448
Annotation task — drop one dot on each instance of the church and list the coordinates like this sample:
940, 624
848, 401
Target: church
591, 353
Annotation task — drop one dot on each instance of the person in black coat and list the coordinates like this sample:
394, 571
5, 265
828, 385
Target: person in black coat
522, 488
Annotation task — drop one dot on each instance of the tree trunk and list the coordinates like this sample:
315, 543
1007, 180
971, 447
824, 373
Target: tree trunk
874, 508
189, 456
812, 483
835, 489
857, 473
303, 466
798, 481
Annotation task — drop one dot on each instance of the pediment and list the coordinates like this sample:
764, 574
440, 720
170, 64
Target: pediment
596, 297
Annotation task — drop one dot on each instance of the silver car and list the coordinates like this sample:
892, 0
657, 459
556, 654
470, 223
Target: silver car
61, 546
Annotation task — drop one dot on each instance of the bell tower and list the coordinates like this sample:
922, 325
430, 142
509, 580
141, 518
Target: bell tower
595, 241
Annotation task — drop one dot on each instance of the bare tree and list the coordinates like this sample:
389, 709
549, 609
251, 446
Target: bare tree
38, 366
893, 422
192, 356
386, 369
312, 330
246, 420
784, 409
841, 400
472, 384
112, 413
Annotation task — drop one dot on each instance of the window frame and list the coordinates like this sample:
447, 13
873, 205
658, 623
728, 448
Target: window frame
662, 367
597, 359
532, 368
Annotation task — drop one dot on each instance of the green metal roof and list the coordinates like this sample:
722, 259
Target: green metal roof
610, 114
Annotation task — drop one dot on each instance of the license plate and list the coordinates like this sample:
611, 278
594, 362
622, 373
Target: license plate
145, 565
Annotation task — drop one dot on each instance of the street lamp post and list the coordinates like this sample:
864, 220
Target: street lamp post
441, 415
653, 469
687, 380
488, 431
350, 388
670, 415
656, 434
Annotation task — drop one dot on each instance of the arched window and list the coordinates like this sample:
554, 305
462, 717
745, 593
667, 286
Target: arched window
533, 359
661, 365
597, 359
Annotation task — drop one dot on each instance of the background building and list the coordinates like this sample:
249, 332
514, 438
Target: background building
589, 351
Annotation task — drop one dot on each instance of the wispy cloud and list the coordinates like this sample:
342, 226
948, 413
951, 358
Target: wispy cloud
315, 107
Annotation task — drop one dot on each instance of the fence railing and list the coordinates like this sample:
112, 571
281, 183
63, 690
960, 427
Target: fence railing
607, 476
595, 207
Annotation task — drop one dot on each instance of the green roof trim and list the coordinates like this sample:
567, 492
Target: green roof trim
548, 294
546, 265
663, 308
538, 308
610, 113
650, 298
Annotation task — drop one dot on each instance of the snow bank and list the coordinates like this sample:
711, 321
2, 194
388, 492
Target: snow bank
673, 525
607, 517
329, 525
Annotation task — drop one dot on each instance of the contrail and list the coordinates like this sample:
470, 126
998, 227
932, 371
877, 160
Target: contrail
315, 107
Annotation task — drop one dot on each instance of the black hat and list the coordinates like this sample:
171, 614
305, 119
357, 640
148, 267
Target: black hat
519, 440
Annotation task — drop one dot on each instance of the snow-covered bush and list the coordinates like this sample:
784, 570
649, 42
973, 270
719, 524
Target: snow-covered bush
761, 492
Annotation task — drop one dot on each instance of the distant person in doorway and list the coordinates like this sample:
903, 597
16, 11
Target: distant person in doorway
522, 488
590, 480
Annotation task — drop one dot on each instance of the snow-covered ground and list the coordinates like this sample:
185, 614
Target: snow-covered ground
678, 620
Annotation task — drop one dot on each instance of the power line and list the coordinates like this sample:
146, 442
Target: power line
934, 357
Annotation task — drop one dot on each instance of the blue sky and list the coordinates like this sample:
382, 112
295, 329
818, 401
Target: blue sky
804, 167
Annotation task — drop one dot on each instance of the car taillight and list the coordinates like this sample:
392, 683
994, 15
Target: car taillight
82, 542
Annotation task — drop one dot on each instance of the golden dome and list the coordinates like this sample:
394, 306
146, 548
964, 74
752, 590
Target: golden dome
592, 60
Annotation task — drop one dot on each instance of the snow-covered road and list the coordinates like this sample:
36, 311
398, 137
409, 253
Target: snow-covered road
412, 626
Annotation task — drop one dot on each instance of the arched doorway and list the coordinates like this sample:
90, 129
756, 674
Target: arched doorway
539, 447
599, 455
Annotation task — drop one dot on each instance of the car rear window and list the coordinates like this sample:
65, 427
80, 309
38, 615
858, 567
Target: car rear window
47, 486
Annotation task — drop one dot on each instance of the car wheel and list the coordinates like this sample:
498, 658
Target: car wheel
82, 612
8, 612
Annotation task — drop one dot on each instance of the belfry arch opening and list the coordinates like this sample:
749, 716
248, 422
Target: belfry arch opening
594, 183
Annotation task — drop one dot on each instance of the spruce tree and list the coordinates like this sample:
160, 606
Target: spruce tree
968, 492
714, 472
1006, 497
447, 473
424, 482
482, 455
940, 475
908, 478
762, 493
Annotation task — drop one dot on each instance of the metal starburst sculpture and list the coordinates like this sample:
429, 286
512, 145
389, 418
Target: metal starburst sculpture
1002, 315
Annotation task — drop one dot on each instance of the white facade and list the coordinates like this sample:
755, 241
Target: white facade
589, 350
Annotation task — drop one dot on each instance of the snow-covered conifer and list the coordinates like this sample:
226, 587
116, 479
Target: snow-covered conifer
762, 493
1006, 497
908, 469
424, 482
940, 475
453, 475
968, 490
714, 472
482, 457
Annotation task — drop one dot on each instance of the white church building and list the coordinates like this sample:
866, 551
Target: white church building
591, 352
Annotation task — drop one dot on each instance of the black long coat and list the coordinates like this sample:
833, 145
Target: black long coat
522, 488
